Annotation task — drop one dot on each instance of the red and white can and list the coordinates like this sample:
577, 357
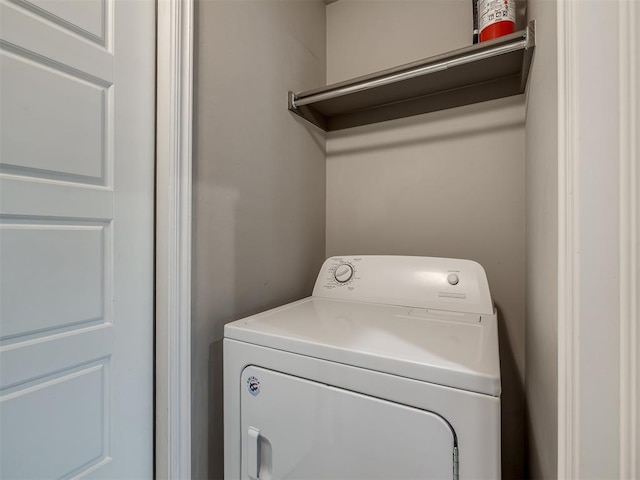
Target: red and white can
496, 18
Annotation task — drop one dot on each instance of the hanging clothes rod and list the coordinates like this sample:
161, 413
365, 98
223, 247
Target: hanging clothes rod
300, 99
477, 73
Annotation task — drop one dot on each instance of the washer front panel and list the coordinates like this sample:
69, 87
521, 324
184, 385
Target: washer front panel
293, 428
475, 418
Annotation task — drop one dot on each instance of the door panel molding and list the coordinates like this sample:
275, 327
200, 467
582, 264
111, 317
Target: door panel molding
61, 279
55, 45
93, 29
79, 133
77, 415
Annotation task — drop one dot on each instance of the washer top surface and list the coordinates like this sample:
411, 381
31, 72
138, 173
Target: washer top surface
459, 351
456, 347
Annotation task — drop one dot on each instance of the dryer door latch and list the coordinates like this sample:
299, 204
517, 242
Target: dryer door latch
259, 455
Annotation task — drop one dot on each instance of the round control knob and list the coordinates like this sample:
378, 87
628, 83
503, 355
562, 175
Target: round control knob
453, 279
343, 273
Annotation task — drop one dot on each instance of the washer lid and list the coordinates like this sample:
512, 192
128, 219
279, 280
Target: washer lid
458, 350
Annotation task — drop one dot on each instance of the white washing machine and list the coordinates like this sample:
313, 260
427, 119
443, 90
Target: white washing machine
390, 370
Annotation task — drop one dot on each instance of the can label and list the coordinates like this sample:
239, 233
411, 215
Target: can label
494, 11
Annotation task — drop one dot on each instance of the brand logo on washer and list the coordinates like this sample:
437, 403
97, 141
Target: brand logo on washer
253, 385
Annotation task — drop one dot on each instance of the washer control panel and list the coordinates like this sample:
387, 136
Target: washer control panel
437, 283
344, 273
453, 279
340, 272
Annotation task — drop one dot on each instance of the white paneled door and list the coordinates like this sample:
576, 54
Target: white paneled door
76, 238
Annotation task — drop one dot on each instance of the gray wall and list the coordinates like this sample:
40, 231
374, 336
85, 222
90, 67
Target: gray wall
542, 245
448, 184
259, 182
